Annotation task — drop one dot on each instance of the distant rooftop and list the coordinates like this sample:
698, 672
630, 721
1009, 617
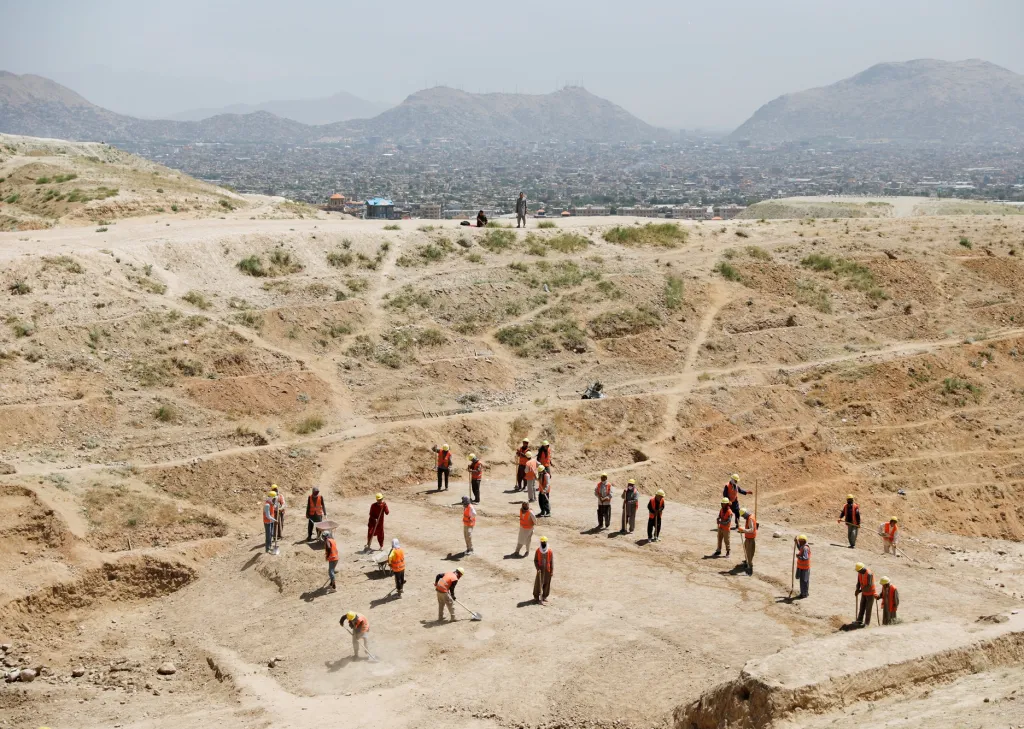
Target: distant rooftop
378, 201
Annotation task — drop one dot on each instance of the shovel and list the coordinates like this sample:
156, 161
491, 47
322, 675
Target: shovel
366, 647
475, 616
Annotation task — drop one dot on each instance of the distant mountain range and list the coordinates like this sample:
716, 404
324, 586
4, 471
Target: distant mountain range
919, 101
338, 108
36, 106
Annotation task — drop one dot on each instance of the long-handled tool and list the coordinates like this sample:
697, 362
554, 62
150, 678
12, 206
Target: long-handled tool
878, 618
476, 616
365, 645
856, 615
380, 515
792, 571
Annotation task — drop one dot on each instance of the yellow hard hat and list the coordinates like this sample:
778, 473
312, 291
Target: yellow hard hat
350, 615
472, 456
459, 571
604, 475
379, 497
859, 566
526, 440
802, 538
544, 442
734, 477
273, 486
271, 493
444, 447
743, 512
660, 493
540, 469
849, 497
632, 482
725, 500
894, 519
884, 580
544, 540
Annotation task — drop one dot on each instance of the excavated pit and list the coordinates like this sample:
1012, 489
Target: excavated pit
844, 669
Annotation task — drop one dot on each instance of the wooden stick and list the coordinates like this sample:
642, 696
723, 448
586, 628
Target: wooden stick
130, 548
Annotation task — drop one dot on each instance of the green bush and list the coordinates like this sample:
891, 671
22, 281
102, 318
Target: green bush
66, 263
197, 300
252, 266
166, 413
339, 259
661, 235
758, 253
308, 425
498, 240
546, 224
728, 271
624, 322
392, 226
673, 292
966, 243
567, 242
20, 288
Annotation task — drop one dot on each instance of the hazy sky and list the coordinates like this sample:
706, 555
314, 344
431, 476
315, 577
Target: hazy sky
671, 62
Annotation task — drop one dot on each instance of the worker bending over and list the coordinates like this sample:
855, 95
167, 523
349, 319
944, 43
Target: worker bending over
655, 508
445, 586
867, 591
359, 626
723, 520
851, 515
749, 532
603, 492
890, 534
544, 561
890, 598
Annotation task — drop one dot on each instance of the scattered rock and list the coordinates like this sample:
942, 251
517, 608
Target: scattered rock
167, 669
5, 647
776, 535
6, 469
27, 675
993, 619
78, 672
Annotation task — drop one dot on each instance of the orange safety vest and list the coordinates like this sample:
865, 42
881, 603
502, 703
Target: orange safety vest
315, 506
545, 483
476, 470
360, 624
444, 459
751, 527
544, 456
531, 470
523, 458
890, 531
889, 596
658, 506
280, 502
850, 513
526, 520
544, 562
331, 550
446, 582
468, 516
603, 491
801, 563
273, 513
724, 517
397, 560
732, 493
866, 581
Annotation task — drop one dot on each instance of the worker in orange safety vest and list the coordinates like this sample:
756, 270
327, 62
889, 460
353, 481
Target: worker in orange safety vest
803, 565
269, 518
724, 522
890, 599
315, 511
749, 531
522, 456
445, 584
476, 475
544, 561
396, 560
444, 465
890, 534
527, 521
868, 592
360, 628
331, 555
468, 523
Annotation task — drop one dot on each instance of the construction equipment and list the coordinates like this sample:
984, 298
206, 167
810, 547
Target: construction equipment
365, 646
593, 392
324, 526
381, 560
475, 616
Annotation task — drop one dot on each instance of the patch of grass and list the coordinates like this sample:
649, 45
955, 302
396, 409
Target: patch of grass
406, 298
475, 258
624, 322
661, 235
392, 226
282, 263
728, 271
337, 329
426, 228
609, 290
66, 177
166, 413
496, 224
427, 254
102, 229
99, 193
954, 385
818, 262
362, 347
758, 253
673, 292
546, 224
308, 425
150, 285
856, 275
498, 241
966, 243
12, 198
23, 329
250, 319
518, 336
567, 242
252, 266
42, 180
357, 285
197, 299
339, 259
174, 208
20, 288
811, 294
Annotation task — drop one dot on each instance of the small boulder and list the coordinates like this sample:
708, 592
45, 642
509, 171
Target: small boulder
167, 669
776, 535
77, 672
27, 675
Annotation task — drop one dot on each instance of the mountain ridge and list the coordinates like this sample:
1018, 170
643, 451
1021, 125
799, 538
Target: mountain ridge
332, 109
923, 100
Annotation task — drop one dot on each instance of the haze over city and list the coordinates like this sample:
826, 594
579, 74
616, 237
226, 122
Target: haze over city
674, 64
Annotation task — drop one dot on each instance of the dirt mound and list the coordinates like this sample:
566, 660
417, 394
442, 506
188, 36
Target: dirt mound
278, 394
237, 483
854, 668
129, 579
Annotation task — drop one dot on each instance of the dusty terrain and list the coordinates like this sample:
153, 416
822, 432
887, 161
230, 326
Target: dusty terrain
155, 381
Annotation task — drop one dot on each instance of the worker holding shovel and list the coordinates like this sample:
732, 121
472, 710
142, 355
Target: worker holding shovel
375, 525
359, 626
723, 521
867, 591
315, 512
445, 584
889, 532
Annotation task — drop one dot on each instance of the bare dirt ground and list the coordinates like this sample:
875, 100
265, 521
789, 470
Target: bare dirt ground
157, 379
